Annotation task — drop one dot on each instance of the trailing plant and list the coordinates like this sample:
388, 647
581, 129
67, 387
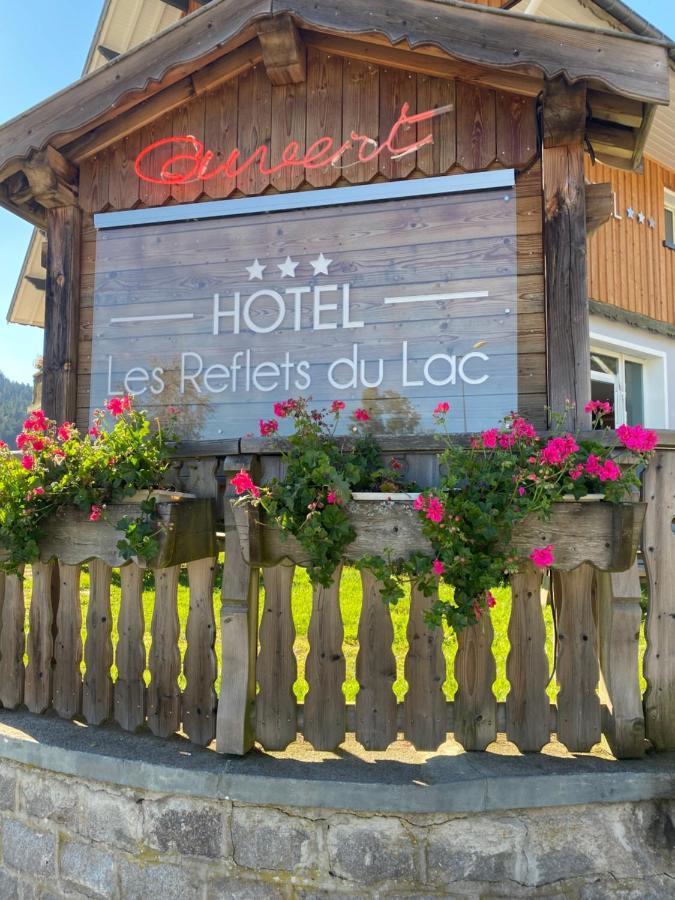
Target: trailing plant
57, 467
505, 474
309, 502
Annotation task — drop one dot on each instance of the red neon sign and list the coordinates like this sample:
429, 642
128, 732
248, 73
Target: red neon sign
323, 152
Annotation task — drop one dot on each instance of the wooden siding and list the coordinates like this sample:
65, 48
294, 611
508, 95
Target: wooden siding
488, 129
628, 265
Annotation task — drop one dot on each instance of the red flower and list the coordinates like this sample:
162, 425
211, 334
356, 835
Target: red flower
438, 567
94, 431
27, 461
395, 464
243, 483
65, 432
442, 408
558, 449
285, 408
22, 440
637, 438
39, 491
543, 557
38, 444
331, 498
3, 445
489, 438
609, 471
115, 406
361, 415
435, 510
490, 599
419, 502
267, 428
95, 513
523, 429
336, 406
36, 421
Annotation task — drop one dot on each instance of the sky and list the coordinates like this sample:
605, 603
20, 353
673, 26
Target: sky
38, 61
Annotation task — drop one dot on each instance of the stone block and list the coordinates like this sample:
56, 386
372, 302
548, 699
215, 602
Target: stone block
28, 849
8, 790
656, 887
9, 889
476, 847
269, 839
150, 880
188, 827
240, 889
372, 850
84, 866
114, 820
47, 797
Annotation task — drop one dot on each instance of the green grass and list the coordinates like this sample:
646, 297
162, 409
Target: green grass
350, 605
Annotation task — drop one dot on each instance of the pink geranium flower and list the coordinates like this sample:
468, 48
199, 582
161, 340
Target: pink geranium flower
243, 483
609, 471
521, 428
27, 461
489, 438
65, 431
543, 557
490, 599
521, 491
336, 406
558, 450
419, 502
637, 438
331, 497
438, 567
269, 427
115, 406
95, 513
442, 408
435, 510
598, 408
22, 441
361, 415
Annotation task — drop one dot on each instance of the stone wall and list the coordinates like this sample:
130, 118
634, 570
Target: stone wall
64, 837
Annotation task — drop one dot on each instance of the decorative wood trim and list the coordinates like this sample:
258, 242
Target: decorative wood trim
599, 205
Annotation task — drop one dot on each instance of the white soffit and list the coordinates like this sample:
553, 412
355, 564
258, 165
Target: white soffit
123, 25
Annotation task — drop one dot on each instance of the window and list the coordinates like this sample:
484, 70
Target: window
632, 378
669, 204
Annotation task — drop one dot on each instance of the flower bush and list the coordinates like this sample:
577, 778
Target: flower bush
57, 467
505, 474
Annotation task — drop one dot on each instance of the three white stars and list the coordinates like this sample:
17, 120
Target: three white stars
288, 267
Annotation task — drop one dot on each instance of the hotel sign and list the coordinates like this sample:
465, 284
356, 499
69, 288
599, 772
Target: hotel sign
389, 302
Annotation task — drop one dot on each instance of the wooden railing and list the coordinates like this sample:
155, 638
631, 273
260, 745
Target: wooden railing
598, 619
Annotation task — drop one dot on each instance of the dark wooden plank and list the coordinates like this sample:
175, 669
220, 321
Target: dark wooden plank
254, 126
577, 666
324, 110
68, 644
277, 668
527, 704
424, 707
129, 693
438, 157
360, 114
59, 383
325, 712
375, 670
97, 696
289, 116
396, 88
476, 127
40, 644
12, 643
475, 704
516, 130
123, 184
163, 695
220, 134
189, 121
199, 696
150, 193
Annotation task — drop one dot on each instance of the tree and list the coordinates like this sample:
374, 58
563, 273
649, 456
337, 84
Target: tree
15, 399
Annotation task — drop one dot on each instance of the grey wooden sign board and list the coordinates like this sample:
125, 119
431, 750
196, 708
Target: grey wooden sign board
394, 297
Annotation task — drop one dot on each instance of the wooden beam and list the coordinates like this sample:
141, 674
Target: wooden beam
599, 205
619, 110
616, 140
284, 53
53, 180
567, 323
62, 313
424, 60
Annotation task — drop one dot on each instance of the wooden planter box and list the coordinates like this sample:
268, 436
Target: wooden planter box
604, 534
188, 532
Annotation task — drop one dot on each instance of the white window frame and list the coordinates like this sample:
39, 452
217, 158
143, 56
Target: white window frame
654, 377
669, 204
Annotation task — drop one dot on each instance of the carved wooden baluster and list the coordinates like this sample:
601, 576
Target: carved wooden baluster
39, 673
68, 644
129, 690
527, 705
12, 642
164, 661
424, 708
98, 650
277, 668
618, 616
325, 710
475, 671
375, 670
659, 551
577, 666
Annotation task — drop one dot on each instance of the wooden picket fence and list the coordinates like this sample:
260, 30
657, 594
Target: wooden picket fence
597, 615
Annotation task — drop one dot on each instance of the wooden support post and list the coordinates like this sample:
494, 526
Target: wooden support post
284, 53
618, 614
62, 313
235, 731
569, 374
